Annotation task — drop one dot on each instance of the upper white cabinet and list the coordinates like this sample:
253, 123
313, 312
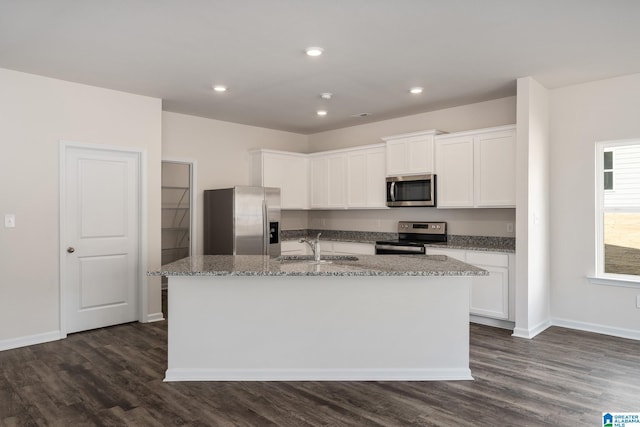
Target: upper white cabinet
495, 168
328, 177
350, 178
410, 153
366, 178
476, 168
287, 171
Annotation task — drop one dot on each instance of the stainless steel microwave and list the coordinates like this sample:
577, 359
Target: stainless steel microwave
411, 190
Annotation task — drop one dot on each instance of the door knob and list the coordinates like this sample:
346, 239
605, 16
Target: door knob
71, 249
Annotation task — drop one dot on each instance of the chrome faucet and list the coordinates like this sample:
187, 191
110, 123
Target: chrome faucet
315, 246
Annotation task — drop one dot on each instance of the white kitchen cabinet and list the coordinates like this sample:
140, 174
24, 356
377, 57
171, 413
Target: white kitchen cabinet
337, 191
454, 172
351, 248
490, 295
366, 178
294, 247
328, 247
495, 168
410, 153
284, 170
328, 177
319, 181
476, 168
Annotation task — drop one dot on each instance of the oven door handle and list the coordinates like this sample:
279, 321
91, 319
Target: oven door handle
405, 249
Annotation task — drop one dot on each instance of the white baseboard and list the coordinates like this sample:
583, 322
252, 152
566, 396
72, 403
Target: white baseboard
184, 374
633, 334
29, 340
531, 332
154, 317
487, 321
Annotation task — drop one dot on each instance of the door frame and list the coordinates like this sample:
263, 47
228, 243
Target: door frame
142, 284
193, 213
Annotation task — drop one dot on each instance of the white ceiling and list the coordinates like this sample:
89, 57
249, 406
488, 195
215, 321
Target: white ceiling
460, 51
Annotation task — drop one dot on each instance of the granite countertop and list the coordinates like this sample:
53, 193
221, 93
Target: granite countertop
365, 265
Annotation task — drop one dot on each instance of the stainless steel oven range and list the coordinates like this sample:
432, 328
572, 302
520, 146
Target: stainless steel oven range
412, 236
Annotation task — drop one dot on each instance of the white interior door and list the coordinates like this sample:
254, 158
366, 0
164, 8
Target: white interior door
100, 219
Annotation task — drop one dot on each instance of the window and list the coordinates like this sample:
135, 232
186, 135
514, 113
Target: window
618, 212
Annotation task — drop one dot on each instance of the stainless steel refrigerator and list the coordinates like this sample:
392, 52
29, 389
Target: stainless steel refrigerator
242, 220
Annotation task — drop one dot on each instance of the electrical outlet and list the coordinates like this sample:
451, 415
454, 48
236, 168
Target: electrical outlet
9, 221
510, 227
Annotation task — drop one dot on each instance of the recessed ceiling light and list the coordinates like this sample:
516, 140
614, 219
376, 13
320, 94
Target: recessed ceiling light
321, 112
314, 51
220, 88
416, 90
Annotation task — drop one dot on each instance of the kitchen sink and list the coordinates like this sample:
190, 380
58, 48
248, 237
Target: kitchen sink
323, 258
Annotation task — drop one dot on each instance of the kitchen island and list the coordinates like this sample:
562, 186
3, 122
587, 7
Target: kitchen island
393, 317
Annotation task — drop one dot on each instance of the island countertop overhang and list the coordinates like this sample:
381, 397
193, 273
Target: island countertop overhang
365, 265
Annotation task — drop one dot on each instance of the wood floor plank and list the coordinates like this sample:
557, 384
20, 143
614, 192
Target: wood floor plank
113, 376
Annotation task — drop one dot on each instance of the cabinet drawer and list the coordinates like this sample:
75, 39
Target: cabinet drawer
486, 258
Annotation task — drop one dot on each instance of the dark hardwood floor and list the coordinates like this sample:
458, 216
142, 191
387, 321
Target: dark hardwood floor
113, 376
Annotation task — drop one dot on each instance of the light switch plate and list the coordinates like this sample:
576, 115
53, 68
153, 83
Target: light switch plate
9, 221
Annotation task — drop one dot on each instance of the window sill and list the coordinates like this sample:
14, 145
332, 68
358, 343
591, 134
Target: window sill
621, 281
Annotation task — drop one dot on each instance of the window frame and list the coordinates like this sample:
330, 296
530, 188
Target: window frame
601, 277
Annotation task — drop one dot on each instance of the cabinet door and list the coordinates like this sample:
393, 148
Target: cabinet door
289, 173
366, 178
357, 179
294, 247
375, 179
336, 197
495, 169
410, 155
353, 248
454, 170
420, 154
397, 157
490, 294
319, 166
296, 185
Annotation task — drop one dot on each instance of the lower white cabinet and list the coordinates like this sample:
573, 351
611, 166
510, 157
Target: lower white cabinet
349, 248
328, 247
490, 295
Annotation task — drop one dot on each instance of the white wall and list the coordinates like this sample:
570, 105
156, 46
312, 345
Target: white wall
477, 222
581, 115
466, 117
35, 114
532, 212
221, 152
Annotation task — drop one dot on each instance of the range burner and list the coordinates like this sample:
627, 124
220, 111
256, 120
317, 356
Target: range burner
412, 236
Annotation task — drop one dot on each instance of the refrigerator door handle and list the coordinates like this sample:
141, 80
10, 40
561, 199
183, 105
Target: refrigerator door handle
265, 229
